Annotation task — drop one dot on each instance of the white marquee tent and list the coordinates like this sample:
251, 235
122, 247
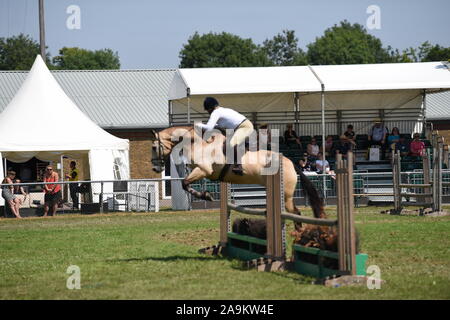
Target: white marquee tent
364, 87
42, 122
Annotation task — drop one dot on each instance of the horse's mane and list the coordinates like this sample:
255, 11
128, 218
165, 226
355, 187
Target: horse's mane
315, 200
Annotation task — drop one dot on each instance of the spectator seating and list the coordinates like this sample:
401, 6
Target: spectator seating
362, 141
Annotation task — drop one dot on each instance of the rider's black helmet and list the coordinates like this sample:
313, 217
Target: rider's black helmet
210, 103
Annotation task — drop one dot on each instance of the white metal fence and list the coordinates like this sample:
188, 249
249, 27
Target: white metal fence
145, 195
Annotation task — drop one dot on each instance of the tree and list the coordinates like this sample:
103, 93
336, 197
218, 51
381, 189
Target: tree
221, 50
347, 44
437, 53
18, 52
283, 50
424, 53
83, 59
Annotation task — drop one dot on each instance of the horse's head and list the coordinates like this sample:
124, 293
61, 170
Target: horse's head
163, 143
159, 151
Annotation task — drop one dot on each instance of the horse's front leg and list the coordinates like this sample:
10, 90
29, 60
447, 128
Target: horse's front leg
195, 175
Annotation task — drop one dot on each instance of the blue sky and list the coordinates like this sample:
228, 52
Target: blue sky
150, 34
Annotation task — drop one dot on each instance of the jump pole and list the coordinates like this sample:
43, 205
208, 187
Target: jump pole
346, 226
275, 216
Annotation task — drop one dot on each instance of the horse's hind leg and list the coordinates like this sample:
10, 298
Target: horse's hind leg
195, 175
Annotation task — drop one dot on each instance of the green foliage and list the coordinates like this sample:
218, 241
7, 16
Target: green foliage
424, 53
347, 44
283, 50
82, 59
18, 52
221, 50
437, 53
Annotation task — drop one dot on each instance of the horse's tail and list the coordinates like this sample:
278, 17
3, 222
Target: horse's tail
315, 200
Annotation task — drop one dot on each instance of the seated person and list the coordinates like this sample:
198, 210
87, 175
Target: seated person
312, 149
416, 147
343, 146
377, 136
393, 138
291, 138
8, 193
304, 165
349, 135
329, 146
402, 146
323, 166
20, 190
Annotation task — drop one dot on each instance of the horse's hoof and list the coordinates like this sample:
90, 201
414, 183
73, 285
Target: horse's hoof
207, 196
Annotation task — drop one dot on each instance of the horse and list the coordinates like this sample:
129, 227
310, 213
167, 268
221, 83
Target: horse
253, 164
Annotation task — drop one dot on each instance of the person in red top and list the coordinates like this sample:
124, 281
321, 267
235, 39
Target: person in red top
416, 147
52, 191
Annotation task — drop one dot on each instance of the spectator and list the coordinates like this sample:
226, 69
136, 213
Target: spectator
19, 190
377, 136
264, 138
291, 138
73, 187
402, 146
52, 191
349, 137
304, 165
323, 166
329, 146
8, 194
349, 134
313, 150
343, 146
393, 138
416, 147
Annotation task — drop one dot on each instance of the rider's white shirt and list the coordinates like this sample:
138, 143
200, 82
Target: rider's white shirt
224, 118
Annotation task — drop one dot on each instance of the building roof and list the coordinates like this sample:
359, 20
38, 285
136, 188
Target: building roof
111, 98
336, 78
438, 106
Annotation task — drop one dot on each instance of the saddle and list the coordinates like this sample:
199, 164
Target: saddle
237, 167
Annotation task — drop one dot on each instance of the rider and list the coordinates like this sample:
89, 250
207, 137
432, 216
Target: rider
225, 118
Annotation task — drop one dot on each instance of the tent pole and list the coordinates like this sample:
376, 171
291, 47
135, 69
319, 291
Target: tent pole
42, 30
424, 109
322, 86
170, 112
296, 111
323, 138
188, 93
62, 178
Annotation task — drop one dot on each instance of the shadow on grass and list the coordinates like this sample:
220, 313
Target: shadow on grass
164, 259
288, 274
235, 264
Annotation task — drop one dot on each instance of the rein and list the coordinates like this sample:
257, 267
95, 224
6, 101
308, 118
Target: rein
159, 160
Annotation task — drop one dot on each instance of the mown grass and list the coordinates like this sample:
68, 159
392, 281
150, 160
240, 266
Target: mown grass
154, 256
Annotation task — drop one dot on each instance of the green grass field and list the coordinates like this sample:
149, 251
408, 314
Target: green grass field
154, 256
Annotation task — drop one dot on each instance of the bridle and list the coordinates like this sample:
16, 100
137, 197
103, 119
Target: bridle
158, 158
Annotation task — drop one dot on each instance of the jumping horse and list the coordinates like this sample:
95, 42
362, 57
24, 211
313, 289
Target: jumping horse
213, 167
